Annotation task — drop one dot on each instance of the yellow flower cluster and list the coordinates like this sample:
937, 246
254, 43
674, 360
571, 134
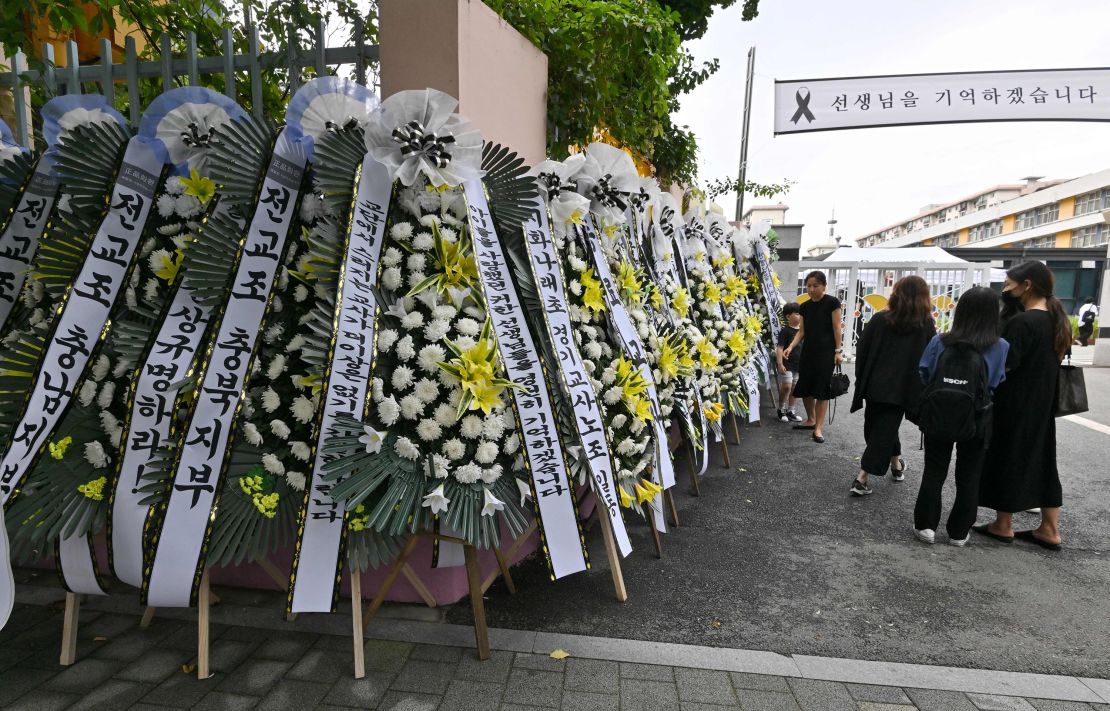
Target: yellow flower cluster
629, 283
165, 265
712, 293
754, 326
591, 292
674, 357
713, 411
93, 489
359, 519
198, 186
474, 369
735, 288
707, 354
58, 449
680, 302
633, 389
644, 491
253, 486
738, 344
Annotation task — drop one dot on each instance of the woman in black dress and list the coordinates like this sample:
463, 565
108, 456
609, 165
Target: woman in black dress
1020, 471
821, 330
887, 355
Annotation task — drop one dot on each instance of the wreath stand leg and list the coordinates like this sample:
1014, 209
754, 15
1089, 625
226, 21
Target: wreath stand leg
356, 623
724, 451
390, 578
282, 580
502, 560
418, 585
613, 555
654, 534
69, 629
474, 580
695, 484
671, 506
204, 603
148, 616
735, 428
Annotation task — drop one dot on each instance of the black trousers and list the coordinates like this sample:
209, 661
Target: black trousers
880, 430
1085, 332
969, 467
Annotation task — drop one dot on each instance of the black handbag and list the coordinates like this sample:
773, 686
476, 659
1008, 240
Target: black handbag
1071, 390
839, 385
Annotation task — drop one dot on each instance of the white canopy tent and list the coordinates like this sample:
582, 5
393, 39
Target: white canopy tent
862, 278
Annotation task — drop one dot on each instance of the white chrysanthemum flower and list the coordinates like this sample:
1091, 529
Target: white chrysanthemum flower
429, 356
454, 449
276, 368
444, 414
186, 205
406, 449
101, 368
625, 447
612, 396
300, 293
637, 425
108, 422
593, 350
312, 207
376, 385
295, 344
95, 455
468, 326
423, 241
491, 474
415, 262
415, 278
107, 392
273, 333
400, 231
388, 411
271, 401
150, 290
493, 426
413, 320
471, 427
439, 466
280, 429
436, 330
444, 311
272, 464
300, 450
468, 473
392, 257
427, 390
402, 377
411, 407
448, 381
303, 409
609, 375
428, 430
87, 393
618, 420
165, 205
391, 278
296, 480
487, 453
575, 287
429, 220
386, 338
174, 186
512, 443
251, 434
405, 350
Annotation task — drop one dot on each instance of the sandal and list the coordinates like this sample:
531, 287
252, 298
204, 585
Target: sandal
986, 531
1029, 536
817, 438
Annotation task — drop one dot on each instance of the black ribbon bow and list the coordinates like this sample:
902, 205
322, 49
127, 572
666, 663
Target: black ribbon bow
193, 138
348, 125
803, 107
607, 195
555, 184
413, 139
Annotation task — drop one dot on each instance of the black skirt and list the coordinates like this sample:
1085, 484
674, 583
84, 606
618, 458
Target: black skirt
815, 372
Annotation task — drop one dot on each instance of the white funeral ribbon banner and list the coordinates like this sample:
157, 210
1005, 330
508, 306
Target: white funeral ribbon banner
554, 492
770, 293
19, 240
663, 472
179, 556
957, 97
587, 414
751, 385
153, 405
316, 563
7, 578
84, 311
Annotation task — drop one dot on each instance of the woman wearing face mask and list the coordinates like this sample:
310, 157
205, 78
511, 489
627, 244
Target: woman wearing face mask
1020, 470
821, 329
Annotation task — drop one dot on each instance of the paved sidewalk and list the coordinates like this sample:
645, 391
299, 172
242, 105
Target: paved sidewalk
417, 663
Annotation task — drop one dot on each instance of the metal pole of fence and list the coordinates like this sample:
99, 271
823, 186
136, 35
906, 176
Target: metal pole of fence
191, 59
294, 64
73, 69
229, 63
22, 120
131, 69
107, 84
360, 59
167, 63
321, 46
49, 77
255, 74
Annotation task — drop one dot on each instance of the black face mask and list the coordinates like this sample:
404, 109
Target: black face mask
1010, 301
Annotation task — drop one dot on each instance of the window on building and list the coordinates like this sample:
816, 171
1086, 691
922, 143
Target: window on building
985, 231
1092, 236
948, 240
1047, 213
1090, 202
981, 202
1024, 220
1039, 242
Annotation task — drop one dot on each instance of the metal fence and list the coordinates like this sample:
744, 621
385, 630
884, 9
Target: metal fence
103, 76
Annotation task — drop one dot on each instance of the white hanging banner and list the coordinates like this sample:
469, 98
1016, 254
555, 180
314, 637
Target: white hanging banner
587, 414
663, 471
84, 311
829, 104
7, 578
178, 557
751, 385
19, 240
551, 485
76, 562
317, 567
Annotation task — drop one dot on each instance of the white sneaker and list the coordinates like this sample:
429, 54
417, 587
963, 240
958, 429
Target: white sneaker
925, 535
959, 542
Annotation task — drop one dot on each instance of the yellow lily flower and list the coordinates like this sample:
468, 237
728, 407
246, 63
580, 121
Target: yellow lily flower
628, 283
656, 298
642, 409
725, 261
486, 397
165, 265
737, 344
707, 355
713, 411
776, 280
591, 297
626, 499
313, 382
712, 293
680, 302
642, 494
198, 186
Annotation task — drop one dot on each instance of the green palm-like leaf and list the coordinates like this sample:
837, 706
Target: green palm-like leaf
87, 160
369, 549
14, 172
337, 157
511, 189
18, 362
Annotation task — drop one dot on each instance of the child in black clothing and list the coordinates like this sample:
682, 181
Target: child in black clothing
788, 367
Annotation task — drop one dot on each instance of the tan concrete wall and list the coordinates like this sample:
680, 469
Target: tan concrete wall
464, 48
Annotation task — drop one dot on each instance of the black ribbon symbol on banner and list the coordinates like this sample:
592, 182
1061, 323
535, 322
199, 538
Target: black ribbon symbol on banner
413, 139
803, 107
608, 195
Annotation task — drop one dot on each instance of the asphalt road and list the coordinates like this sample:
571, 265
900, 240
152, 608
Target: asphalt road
776, 556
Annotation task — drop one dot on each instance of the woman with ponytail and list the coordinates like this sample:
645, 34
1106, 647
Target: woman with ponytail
1020, 471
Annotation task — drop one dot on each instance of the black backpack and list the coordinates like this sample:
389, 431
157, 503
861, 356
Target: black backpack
1088, 317
956, 403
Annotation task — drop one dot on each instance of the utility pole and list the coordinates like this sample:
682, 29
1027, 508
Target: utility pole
746, 126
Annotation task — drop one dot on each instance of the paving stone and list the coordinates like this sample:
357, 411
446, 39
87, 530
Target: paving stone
107, 625
386, 656
880, 694
254, 677
42, 700
641, 694
294, 694
1056, 705
321, 665
181, 690
136, 642
698, 706
814, 695
495, 669
285, 647
112, 695
466, 695
994, 702
757, 700
880, 706
758, 682
154, 666
583, 701
10, 657
436, 653
647, 672
704, 686
336, 643
226, 655
594, 675
935, 700
237, 633
408, 701
535, 688
541, 662
362, 693
224, 701
424, 677
84, 676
